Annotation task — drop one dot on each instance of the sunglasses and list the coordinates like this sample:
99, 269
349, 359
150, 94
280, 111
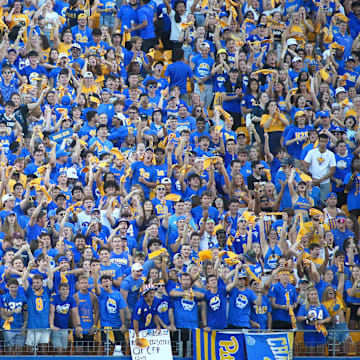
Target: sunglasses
341, 220
161, 188
152, 86
7, 72
242, 221
132, 112
160, 285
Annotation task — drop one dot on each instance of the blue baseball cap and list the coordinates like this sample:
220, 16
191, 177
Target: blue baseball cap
60, 153
63, 258
337, 129
331, 194
324, 113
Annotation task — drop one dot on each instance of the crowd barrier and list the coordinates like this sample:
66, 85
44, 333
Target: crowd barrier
102, 347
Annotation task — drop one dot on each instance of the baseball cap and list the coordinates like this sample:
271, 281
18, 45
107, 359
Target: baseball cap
176, 256
165, 180
286, 161
62, 55
88, 74
291, 41
221, 51
324, 113
7, 197
234, 69
71, 173
339, 90
205, 44
82, 16
350, 58
337, 129
147, 288
106, 90
61, 153
76, 46
331, 195
63, 258
137, 267
17, 235
299, 113
296, 59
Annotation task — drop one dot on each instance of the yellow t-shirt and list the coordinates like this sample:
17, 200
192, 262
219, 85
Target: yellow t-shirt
64, 48
309, 227
276, 124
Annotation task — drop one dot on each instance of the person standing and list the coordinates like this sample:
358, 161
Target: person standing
88, 306
38, 298
14, 310
145, 315
112, 311
63, 307
283, 297
320, 163
201, 66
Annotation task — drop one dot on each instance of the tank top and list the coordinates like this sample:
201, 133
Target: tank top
301, 204
271, 257
85, 311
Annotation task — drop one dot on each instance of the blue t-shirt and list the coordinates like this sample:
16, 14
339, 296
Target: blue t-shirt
179, 72
185, 311
133, 288
202, 67
163, 306
240, 303
146, 13
216, 306
110, 305
283, 296
259, 314
62, 310
149, 173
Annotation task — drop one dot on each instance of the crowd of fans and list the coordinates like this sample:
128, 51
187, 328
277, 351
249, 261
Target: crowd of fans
178, 165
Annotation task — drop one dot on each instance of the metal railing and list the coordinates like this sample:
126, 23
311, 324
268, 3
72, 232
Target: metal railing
102, 344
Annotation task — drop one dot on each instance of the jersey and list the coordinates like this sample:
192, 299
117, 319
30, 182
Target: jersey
38, 308
144, 314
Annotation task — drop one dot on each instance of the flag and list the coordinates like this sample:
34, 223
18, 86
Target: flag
269, 346
215, 345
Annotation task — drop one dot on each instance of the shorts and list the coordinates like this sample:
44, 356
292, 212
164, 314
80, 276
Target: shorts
35, 337
353, 311
14, 338
59, 339
338, 336
86, 340
314, 339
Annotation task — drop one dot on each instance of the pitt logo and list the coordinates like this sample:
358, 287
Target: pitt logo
227, 348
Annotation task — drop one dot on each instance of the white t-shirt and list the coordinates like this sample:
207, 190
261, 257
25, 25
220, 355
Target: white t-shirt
320, 163
175, 27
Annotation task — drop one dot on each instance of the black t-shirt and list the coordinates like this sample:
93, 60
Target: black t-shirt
251, 180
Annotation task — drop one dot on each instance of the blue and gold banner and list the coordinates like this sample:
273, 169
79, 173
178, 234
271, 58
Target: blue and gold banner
61, 135
216, 345
269, 346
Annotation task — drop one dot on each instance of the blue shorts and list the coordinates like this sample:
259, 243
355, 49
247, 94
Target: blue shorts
338, 336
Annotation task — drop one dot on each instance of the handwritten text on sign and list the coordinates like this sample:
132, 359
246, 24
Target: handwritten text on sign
159, 345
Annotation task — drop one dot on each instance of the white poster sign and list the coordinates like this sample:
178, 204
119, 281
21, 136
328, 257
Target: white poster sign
155, 346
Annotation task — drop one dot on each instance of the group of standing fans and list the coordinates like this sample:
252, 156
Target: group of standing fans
178, 164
